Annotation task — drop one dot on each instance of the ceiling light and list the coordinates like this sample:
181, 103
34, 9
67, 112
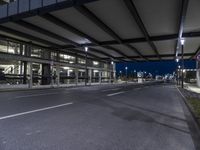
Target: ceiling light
182, 41
86, 49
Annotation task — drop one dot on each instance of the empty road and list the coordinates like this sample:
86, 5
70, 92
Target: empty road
107, 117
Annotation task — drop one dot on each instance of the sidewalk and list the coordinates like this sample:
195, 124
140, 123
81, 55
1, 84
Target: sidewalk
192, 87
4, 88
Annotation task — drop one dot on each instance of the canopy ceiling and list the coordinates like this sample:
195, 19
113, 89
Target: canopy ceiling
119, 30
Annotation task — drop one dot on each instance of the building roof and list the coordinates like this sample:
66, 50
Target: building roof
120, 30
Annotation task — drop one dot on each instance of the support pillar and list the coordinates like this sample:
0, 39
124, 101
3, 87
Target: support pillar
46, 69
90, 75
198, 73
100, 76
114, 76
30, 67
46, 74
25, 72
182, 74
58, 75
110, 76
76, 76
114, 72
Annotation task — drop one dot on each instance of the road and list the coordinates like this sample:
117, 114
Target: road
107, 117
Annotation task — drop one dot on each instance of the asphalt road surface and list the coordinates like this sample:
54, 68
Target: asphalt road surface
107, 117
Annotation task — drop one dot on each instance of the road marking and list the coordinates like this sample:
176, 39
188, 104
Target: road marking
116, 93
111, 89
181, 93
35, 95
34, 111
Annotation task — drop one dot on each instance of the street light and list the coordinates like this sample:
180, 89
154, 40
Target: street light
126, 68
182, 41
86, 74
120, 72
182, 53
86, 49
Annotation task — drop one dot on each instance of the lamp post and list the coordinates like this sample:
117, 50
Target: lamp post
182, 53
120, 74
178, 72
126, 68
177, 60
86, 74
134, 75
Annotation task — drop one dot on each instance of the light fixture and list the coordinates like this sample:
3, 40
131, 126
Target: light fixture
179, 66
184, 70
182, 41
177, 60
86, 49
126, 68
112, 62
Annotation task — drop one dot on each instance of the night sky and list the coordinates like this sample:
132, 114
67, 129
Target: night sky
155, 68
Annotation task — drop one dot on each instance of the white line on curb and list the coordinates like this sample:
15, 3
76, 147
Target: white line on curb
181, 93
35, 95
34, 111
116, 93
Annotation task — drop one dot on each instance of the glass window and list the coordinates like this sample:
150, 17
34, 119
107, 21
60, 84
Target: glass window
3, 46
95, 63
67, 58
54, 56
13, 48
35, 52
81, 61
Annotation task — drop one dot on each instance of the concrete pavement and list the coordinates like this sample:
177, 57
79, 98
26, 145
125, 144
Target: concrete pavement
107, 117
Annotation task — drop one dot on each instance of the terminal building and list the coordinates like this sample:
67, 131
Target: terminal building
23, 63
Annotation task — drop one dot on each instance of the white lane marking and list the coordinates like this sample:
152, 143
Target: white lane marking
181, 93
111, 89
35, 95
116, 93
34, 111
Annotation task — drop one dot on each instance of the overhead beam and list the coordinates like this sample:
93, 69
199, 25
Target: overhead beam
183, 12
70, 28
161, 55
45, 32
50, 34
152, 38
195, 54
131, 7
117, 51
101, 52
136, 51
27, 36
87, 13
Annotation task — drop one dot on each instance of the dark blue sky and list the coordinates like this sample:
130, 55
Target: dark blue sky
156, 67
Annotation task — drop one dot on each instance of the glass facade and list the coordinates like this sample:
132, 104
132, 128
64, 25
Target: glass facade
16, 71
